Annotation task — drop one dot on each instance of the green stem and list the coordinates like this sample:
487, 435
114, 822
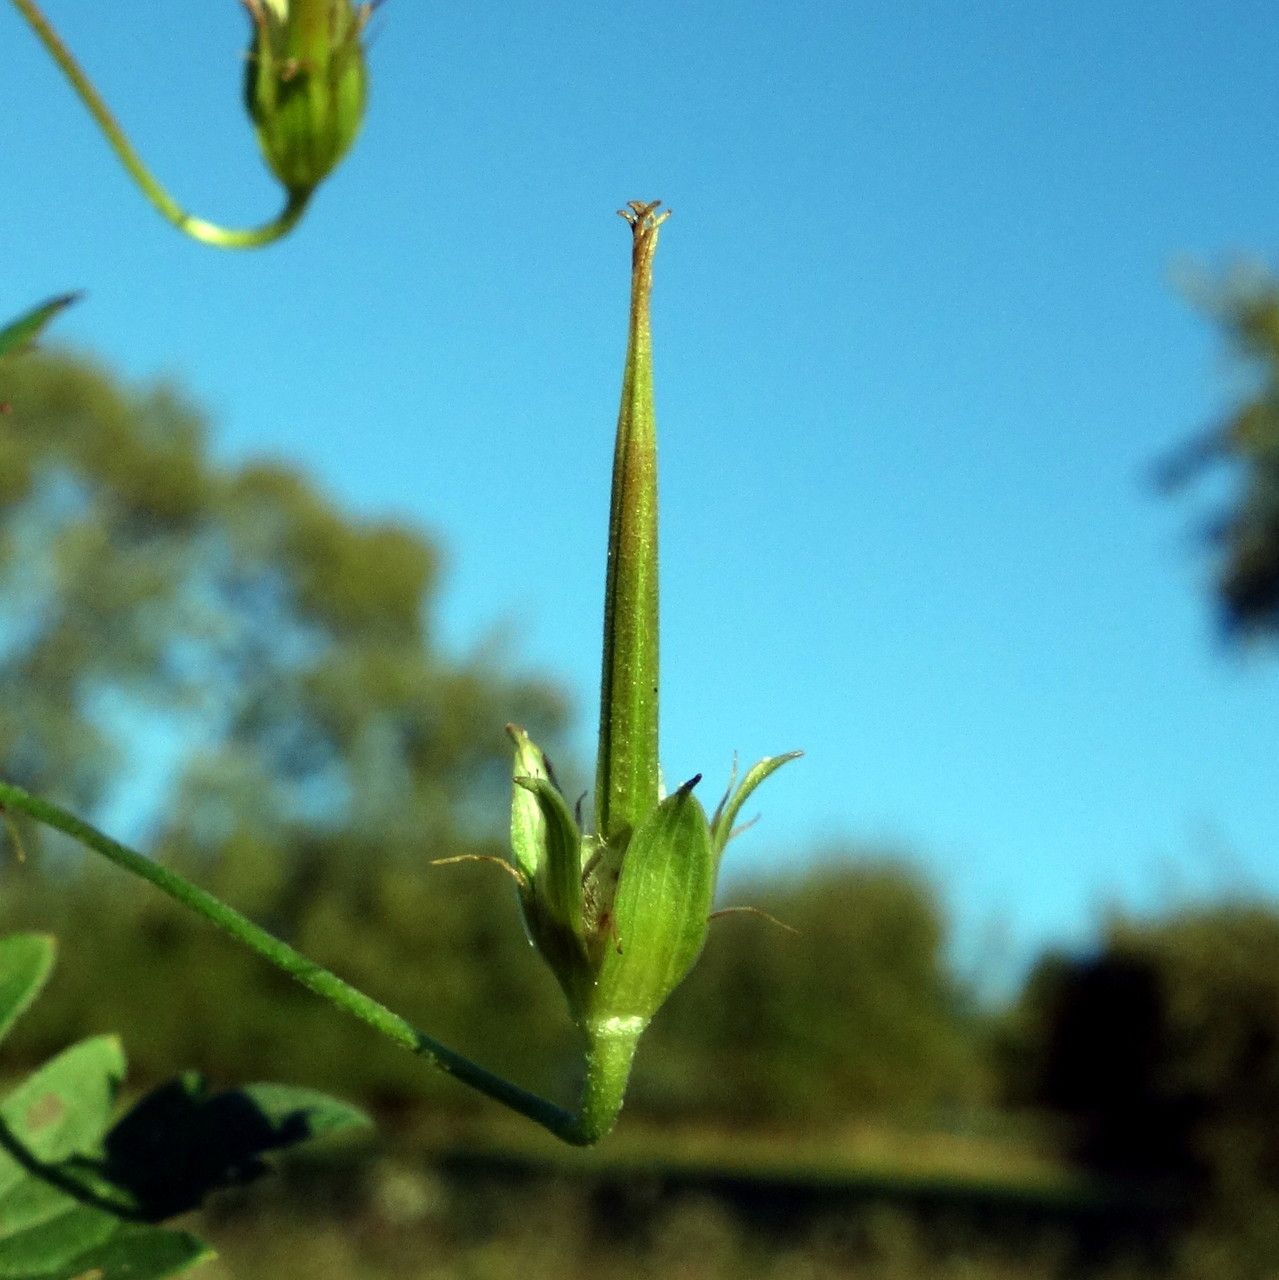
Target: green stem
626, 781
197, 228
610, 1050
563, 1124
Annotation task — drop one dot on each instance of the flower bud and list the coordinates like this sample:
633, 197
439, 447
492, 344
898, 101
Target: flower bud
306, 84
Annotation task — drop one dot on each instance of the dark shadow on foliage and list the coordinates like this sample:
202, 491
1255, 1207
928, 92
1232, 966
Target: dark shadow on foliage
180, 1143
177, 1146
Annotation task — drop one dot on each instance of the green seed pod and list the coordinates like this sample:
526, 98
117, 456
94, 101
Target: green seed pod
620, 913
306, 84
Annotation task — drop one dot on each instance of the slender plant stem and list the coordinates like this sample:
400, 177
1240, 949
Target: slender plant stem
563, 1124
197, 228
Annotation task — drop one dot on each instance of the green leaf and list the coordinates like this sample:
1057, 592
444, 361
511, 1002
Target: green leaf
22, 332
45, 1229
731, 805
54, 1225
661, 909
64, 1108
26, 960
27, 1207
302, 1115
143, 1254
74, 1194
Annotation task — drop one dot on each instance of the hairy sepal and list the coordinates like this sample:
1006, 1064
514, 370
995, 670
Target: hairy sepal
729, 808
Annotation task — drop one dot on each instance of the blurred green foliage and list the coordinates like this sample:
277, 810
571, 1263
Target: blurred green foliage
549, 1234
1247, 441
1163, 1051
855, 1013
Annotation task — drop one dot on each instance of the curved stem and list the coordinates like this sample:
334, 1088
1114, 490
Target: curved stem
197, 228
556, 1120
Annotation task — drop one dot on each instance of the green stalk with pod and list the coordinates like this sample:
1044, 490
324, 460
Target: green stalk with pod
617, 908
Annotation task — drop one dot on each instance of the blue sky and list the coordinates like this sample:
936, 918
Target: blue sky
918, 344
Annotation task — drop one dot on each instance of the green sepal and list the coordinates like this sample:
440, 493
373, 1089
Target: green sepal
731, 805
557, 881
305, 85
547, 852
22, 332
528, 825
660, 911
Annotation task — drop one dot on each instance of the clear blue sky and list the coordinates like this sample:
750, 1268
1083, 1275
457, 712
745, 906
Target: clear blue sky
918, 344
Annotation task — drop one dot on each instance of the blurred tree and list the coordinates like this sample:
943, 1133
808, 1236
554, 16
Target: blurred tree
1248, 534
854, 1013
134, 569
326, 748
1163, 1050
